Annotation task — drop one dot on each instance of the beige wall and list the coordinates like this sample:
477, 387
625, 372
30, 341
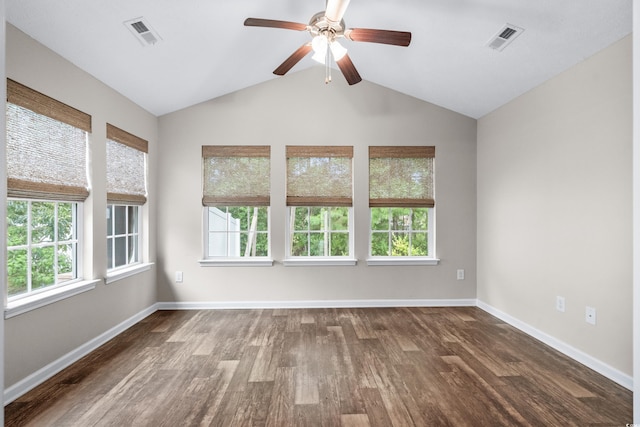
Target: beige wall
37, 338
554, 206
296, 110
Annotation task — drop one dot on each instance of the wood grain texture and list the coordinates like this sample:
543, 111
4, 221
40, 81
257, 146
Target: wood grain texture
324, 367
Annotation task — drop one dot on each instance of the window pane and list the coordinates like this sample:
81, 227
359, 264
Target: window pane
121, 251
380, 244
132, 256
120, 219
301, 218
65, 221
299, 245
132, 226
379, 218
339, 244
262, 244
42, 222
401, 219
419, 246
109, 253
419, 219
339, 219
400, 242
17, 223
317, 219
263, 219
110, 220
65, 263
317, 245
17, 272
42, 267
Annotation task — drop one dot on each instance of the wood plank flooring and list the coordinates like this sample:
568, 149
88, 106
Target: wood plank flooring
324, 367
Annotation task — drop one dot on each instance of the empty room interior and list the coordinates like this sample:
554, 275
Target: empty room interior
435, 228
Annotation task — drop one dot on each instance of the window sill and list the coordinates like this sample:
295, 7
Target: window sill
119, 274
314, 262
236, 262
402, 261
26, 304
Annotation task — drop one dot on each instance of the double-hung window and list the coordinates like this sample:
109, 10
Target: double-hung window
402, 205
319, 201
126, 193
46, 187
236, 198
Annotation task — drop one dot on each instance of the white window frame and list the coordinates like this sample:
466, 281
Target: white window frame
408, 260
227, 261
23, 303
127, 265
303, 261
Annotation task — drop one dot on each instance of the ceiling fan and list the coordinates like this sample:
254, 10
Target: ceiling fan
326, 28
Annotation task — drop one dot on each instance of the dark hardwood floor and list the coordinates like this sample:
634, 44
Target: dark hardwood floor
324, 367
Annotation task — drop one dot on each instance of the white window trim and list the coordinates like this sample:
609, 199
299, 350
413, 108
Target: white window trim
206, 261
127, 271
127, 234
302, 261
59, 293
408, 260
236, 262
319, 261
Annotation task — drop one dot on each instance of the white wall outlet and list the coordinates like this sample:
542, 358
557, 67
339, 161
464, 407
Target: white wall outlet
590, 315
560, 304
178, 276
460, 274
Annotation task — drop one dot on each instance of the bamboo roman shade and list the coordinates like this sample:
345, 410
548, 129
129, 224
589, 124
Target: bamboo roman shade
46, 146
319, 175
126, 171
401, 176
236, 175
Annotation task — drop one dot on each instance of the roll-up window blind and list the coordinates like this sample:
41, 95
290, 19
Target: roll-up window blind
236, 175
46, 146
401, 176
126, 171
319, 176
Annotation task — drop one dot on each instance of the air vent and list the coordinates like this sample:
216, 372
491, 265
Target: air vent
504, 37
141, 29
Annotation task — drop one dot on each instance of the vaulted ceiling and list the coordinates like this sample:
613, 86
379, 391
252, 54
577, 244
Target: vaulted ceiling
204, 50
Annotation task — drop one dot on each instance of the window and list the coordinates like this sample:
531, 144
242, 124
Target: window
236, 198
42, 245
319, 198
126, 192
401, 202
123, 236
46, 185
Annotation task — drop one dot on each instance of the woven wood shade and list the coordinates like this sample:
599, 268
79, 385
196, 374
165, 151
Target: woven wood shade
42, 104
401, 176
123, 137
319, 175
236, 175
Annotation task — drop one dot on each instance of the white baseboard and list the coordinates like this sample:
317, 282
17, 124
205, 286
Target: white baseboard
602, 368
229, 305
43, 374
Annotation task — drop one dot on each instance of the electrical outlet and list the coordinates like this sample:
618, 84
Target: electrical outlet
178, 276
560, 306
590, 315
460, 274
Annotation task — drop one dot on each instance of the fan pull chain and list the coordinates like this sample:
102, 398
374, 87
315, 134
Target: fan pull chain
327, 67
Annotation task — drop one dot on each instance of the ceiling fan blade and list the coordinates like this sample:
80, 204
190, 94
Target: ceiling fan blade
349, 70
272, 23
335, 9
293, 59
397, 38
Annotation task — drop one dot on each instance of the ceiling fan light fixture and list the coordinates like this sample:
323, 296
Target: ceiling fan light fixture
319, 45
338, 51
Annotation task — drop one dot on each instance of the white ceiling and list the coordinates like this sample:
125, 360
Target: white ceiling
206, 52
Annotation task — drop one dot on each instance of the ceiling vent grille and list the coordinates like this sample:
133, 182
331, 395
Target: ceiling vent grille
504, 37
141, 29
